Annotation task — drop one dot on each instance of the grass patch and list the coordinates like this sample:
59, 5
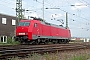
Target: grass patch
82, 57
35, 56
48, 56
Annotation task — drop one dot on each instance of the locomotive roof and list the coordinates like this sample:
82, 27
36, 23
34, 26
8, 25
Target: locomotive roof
46, 23
24, 20
43, 22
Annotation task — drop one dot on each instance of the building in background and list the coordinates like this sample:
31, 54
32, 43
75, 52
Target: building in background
7, 26
80, 39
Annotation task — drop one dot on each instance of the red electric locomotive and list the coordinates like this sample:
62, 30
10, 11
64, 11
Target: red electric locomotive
36, 32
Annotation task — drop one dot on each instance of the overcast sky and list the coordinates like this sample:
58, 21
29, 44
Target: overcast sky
78, 15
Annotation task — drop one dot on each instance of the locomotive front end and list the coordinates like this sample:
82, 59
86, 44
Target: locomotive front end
22, 31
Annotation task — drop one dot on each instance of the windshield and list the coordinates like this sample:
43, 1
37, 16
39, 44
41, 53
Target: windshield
24, 24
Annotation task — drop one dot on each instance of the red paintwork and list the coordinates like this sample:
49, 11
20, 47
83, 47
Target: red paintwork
42, 30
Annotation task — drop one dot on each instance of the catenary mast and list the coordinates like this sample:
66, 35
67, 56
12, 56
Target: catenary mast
19, 10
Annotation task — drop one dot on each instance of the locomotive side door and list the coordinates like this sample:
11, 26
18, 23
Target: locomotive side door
37, 29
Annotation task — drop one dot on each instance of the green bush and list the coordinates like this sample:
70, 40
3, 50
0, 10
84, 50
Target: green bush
10, 41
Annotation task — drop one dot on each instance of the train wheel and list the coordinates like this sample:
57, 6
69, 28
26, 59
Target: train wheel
37, 41
46, 42
62, 41
65, 41
55, 41
59, 41
68, 40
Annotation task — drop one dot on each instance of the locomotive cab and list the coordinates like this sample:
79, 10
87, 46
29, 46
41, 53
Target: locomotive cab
25, 29
22, 30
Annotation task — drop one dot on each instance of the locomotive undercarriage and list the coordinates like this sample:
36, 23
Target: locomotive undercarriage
21, 39
49, 41
24, 40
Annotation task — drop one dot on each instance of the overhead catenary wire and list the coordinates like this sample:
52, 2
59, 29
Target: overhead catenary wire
78, 16
60, 9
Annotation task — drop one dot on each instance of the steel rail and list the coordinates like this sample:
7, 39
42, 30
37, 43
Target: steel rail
6, 52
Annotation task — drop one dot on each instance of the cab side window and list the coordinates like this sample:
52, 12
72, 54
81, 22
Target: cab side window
35, 25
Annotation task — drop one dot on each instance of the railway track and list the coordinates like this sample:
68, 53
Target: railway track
21, 50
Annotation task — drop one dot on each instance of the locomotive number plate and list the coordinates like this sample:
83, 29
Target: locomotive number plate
21, 33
